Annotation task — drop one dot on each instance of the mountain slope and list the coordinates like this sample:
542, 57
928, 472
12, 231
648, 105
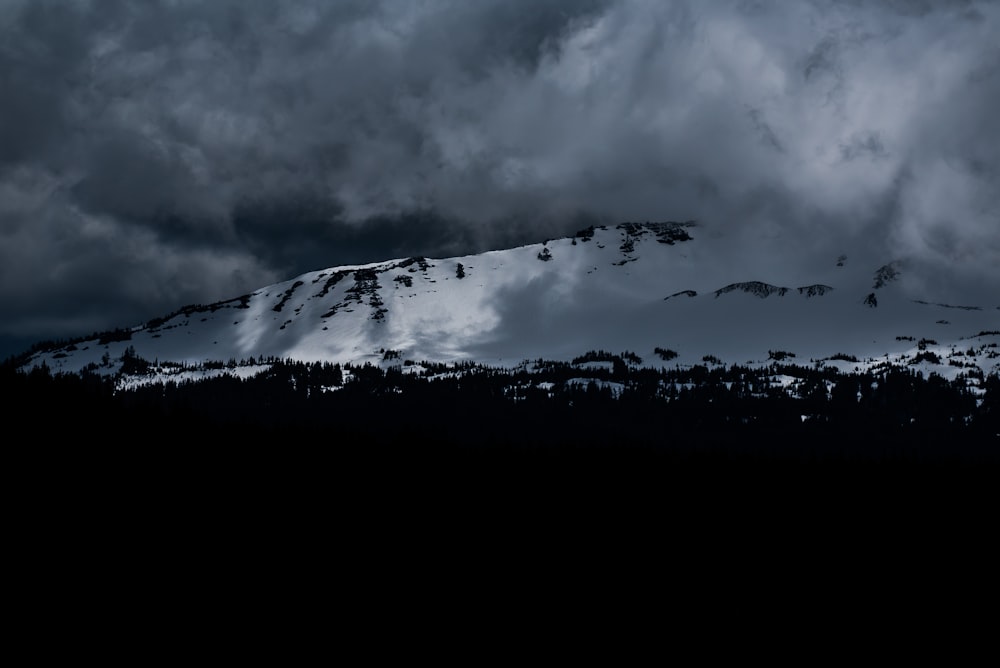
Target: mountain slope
632, 287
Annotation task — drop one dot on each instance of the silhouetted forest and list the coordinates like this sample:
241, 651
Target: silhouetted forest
710, 411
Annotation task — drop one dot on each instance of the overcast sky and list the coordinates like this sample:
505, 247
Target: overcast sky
155, 153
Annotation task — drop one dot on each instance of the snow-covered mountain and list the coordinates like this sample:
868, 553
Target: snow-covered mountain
671, 293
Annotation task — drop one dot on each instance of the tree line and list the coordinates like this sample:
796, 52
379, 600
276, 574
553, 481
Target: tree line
781, 410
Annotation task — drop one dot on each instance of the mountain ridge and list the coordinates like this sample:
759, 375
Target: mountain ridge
605, 287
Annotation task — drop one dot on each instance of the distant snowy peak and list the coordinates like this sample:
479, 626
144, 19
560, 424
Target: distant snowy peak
636, 286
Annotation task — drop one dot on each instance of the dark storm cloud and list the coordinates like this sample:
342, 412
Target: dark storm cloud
161, 152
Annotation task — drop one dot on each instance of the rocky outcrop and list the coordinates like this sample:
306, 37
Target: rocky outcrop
755, 288
886, 274
814, 290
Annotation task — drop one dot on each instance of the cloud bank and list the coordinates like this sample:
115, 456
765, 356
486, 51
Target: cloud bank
163, 152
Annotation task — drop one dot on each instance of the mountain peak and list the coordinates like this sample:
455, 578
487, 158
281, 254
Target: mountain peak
603, 288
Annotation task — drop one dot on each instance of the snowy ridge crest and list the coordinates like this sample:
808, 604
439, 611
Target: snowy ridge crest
600, 289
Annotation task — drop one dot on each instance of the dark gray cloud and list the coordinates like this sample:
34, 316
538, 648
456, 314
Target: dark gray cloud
160, 152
